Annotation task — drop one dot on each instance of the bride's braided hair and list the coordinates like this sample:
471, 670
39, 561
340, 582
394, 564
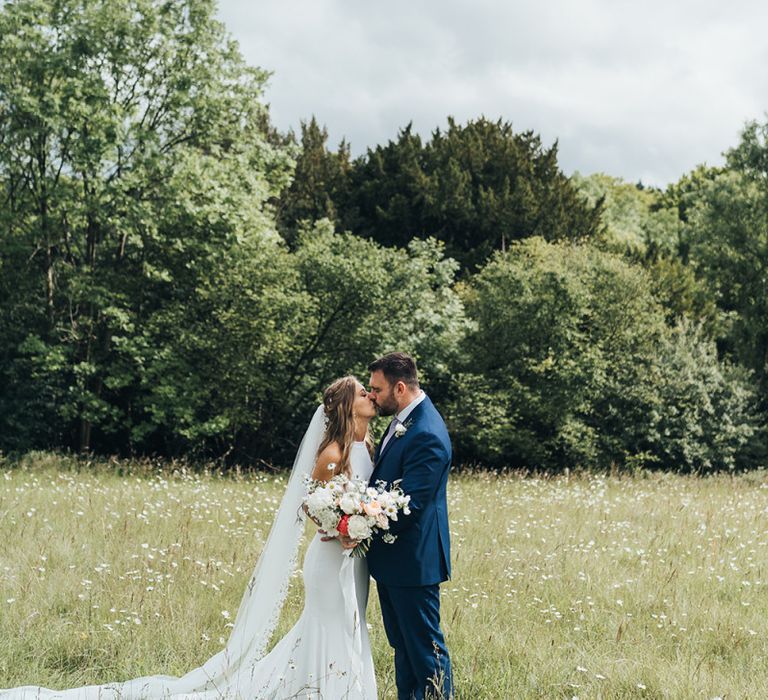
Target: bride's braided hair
338, 399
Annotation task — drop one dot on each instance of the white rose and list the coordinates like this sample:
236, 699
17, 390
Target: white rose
359, 528
350, 503
319, 499
400, 430
328, 522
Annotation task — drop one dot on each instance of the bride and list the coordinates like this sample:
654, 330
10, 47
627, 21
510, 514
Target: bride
326, 655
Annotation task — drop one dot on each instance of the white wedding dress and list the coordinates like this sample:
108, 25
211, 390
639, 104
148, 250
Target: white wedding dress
312, 660
325, 656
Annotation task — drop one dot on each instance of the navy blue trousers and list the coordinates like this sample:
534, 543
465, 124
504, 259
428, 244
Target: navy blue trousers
412, 622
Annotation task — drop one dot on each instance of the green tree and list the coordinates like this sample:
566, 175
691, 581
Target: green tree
645, 225
571, 363
726, 236
320, 181
135, 153
729, 248
365, 300
242, 378
213, 385
477, 187
636, 218
685, 194
385, 199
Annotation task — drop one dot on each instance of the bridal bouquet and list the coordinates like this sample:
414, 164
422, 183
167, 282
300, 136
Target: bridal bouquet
352, 508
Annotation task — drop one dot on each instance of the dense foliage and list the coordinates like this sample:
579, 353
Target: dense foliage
571, 364
177, 277
133, 159
477, 187
265, 334
727, 232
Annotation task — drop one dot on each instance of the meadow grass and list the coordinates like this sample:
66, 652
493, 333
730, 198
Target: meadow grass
593, 586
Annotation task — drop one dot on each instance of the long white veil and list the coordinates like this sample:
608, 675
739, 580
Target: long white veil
227, 674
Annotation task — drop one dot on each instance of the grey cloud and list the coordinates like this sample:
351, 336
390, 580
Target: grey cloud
639, 90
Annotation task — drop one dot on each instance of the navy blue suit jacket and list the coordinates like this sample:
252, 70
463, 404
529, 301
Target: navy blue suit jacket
421, 458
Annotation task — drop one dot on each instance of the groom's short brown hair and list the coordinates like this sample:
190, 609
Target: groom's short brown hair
397, 367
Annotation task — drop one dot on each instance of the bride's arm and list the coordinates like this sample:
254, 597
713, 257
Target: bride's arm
328, 463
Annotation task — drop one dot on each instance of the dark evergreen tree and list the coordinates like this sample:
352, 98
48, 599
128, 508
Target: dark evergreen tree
387, 187
476, 187
320, 180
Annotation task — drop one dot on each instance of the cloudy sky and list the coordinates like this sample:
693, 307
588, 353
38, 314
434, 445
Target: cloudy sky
641, 90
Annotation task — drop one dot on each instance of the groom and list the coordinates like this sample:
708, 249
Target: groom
416, 449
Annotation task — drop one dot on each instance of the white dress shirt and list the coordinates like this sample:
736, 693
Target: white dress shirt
401, 417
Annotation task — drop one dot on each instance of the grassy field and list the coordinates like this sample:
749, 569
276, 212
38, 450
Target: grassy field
653, 586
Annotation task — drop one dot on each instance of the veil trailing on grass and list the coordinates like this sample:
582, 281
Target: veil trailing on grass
228, 674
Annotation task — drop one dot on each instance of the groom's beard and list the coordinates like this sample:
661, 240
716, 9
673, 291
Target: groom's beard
387, 408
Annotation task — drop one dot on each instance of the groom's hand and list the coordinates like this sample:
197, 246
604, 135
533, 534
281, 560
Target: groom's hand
348, 542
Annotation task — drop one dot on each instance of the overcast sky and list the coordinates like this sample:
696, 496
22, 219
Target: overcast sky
641, 90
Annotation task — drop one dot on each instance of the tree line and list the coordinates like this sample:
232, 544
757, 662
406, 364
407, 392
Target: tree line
178, 277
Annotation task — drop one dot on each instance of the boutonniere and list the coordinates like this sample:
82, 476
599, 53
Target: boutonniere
402, 428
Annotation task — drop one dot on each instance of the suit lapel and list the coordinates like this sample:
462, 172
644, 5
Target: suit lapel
414, 416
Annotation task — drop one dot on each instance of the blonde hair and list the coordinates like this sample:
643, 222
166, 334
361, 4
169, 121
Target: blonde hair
338, 401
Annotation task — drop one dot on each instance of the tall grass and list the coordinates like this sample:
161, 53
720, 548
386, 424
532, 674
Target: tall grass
592, 587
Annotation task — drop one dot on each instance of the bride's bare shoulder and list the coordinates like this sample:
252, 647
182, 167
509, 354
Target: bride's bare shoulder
328, 462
